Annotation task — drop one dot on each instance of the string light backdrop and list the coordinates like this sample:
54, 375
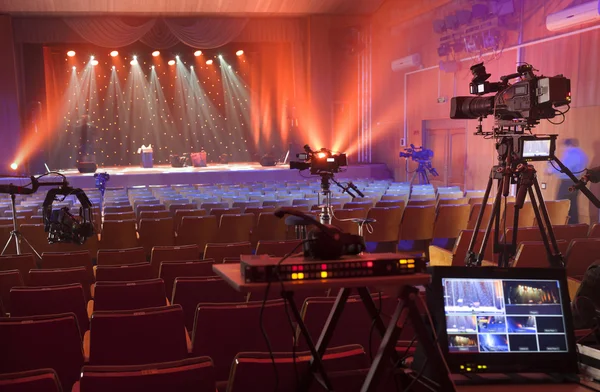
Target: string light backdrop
177, 101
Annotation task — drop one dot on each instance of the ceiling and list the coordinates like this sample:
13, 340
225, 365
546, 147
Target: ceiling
188, 7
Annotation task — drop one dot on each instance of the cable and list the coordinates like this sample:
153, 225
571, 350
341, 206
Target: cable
261, 315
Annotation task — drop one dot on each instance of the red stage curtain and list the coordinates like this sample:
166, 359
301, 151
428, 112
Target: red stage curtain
115, 32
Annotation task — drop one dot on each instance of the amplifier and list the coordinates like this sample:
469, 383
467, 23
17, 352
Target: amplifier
261, 269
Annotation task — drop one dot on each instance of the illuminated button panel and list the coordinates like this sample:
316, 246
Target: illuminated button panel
344, 269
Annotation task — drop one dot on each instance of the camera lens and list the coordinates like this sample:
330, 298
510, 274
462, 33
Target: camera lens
471, 107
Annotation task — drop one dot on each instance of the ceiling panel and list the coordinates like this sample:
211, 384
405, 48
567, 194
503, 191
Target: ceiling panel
187, 7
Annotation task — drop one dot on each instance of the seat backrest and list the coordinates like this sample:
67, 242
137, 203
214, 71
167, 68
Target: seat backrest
154, 214
173, 253
169, 270
8, 280
116, 216
119, 234
253, 371
61, 276
475, 209
218, 337
180, 213
156, 232
386, 227
218, 212
257, 211
124, 272
277, 248
190, 291
417, 223
209, 206
242, 205
52, 260
269, 227
342, 218
450, 220
121, 256
459, 252
23, 263
37, 301
40, 380
198, 230
533, 254
188, 375
42, 342
235, 228
136, 337
523, 234
218, 252
570, 232
129, 295
118, 209
595, 231
558, 211
526, 215
581, 253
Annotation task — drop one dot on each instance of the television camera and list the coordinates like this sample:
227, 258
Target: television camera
321, 161
423, 157
523, 103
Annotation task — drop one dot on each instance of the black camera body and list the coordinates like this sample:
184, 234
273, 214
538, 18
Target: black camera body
525, 102
417, 154
321, 161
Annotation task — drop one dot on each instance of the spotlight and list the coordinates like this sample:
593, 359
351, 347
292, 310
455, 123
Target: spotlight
220, 56
152, 67
71, 53
134, 61
92, 57
114, 53
198, 53
14, 166
209, 62
239, 53
177, 57
191, 67
171, 62
156, 53
94, 62
113, 67
74, 68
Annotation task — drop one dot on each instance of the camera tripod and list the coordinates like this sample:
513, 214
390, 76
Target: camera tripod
15, 234
421, 173
511, 169
326, 179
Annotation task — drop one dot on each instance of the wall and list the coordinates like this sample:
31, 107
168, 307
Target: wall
10, 122
576, 57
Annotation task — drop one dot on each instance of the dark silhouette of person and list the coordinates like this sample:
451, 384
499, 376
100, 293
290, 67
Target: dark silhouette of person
87, 138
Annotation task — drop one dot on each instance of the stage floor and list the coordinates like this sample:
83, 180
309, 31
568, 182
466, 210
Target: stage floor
214, 173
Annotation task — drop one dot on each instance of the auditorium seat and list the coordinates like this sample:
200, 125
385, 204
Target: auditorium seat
221, 339
169, 270
118, 234
268, 227
187, 375
39, 380
456, 257
218, 212
156, 232
594, 231
42, 342
190, 291
242, 205
581, 253
278, 248
62, 276
450, 220
117, 209
153, 215
558, 211
209, 206
173, 253
124, 272
386, 226
256, 211
235, 228
391, 203
180, 213
365, 206
121, 256
114, 216
475, 209
570, 232
23, 263
197, 230
533, 254
173, 208
218, 252
8, 280
52, 260
277, 203
253, 371
128, 295
416, 201
136, 337
147, 205
37, 301
526, 215
417, 223
452, 201
343, 218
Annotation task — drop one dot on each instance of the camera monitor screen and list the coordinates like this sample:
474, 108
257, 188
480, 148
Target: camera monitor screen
537, 149
494, 321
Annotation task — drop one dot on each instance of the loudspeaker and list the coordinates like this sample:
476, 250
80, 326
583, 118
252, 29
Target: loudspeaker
87, 167
268, 160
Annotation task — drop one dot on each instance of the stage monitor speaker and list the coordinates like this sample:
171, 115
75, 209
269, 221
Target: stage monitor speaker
87, 167
268, 160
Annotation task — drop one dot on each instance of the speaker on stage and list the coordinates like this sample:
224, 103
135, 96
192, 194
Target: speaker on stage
268, 160
87, 167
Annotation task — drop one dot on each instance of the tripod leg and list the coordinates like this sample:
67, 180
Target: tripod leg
470, 254
30, 246
555, 258
8, 242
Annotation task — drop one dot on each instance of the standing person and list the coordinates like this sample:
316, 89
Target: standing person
575, 160
87, 134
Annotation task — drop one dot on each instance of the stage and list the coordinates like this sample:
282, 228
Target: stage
232, 173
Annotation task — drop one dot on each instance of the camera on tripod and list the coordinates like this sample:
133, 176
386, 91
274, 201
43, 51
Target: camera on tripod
525, 102
321, 161
417, 154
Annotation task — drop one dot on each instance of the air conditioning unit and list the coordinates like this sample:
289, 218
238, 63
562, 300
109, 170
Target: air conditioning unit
573, 16
414, 60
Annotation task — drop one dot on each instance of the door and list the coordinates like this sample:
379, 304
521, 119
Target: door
449, 155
